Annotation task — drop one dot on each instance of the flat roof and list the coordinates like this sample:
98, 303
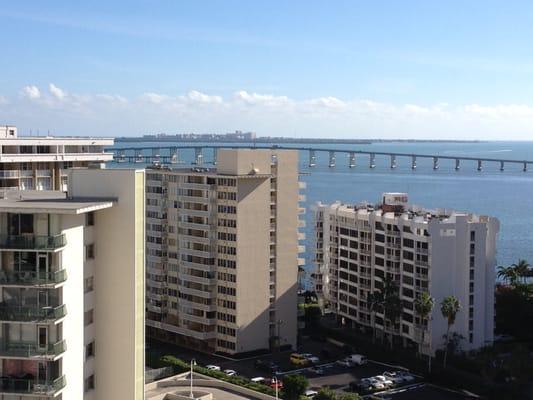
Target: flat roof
50, 202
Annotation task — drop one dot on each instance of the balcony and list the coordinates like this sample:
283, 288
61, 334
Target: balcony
43, 173
31, 350
30, 386
9, 174
32, 278
13, 312
32, 242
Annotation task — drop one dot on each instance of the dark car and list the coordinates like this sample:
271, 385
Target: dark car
267, 366
360, 386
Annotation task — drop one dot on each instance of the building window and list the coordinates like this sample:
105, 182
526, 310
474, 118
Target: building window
89, 219
89, 350
89, 383
88, 317
89, 251
88, 284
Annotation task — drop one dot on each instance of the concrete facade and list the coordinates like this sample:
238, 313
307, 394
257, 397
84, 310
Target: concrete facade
441, 252
72, 289
222, 252
41, 162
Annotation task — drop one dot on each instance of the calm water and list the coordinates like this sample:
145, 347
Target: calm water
506, 195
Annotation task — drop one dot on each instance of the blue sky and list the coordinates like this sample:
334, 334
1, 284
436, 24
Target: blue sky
420, 69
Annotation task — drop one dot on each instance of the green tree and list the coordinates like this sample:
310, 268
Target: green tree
449, 307
424, 306
326, 394
313, 313
508, 274
374, 301
522, 269
392, 304
294, 386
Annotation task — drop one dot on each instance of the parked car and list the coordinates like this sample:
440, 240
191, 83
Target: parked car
376, 384
298, 359
317, 370
312, 359
362, 386
357, 359
406, 376
394, 377
345, 363
311, 394
387, 382
274, 382
267, 366
230, 372
258, 379
213, 367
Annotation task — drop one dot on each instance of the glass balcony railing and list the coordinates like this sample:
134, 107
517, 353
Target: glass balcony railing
31, 349
31, 386
13, 312
32, 242
32, 278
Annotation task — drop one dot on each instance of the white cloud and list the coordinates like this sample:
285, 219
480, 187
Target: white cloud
57, 92
267, 114
31, 92
254, 99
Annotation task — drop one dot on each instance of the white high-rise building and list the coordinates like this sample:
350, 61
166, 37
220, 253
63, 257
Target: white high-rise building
41, 162
222, 252
72, 289
440, 252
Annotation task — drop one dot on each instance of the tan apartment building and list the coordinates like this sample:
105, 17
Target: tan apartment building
440, 252
72, 289
41, 162
222, 252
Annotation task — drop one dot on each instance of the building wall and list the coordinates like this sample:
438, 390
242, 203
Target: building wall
119, 280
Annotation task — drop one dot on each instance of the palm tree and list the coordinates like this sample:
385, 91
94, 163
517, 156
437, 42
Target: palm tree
374, 300
522, 269
508, 274
392, 304
449, 307
424, 306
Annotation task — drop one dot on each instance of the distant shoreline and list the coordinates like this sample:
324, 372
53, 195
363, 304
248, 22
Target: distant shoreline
167, 139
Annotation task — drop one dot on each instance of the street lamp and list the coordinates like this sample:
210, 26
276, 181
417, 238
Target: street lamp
193, 363
275, 381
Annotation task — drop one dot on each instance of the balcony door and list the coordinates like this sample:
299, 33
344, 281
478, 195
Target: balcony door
42, 266
20, 224
42, 337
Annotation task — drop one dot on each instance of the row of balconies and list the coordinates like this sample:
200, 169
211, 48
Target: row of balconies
42, 314
32, 242
32, 278
14, 174
31, 386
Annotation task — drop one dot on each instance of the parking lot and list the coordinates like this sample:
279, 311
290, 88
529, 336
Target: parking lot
333, 375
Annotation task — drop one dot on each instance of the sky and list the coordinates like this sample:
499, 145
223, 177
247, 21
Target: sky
343, 69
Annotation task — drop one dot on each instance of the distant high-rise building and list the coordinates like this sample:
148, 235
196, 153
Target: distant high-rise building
439, 252
72, 289
222, 252
40, 162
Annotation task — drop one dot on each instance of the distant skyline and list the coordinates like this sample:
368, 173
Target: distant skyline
343, 69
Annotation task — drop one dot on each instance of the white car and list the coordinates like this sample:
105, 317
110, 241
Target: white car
230, 372
394, 377
213, 367
345, 362
387, 382
258, 379
376, 384
311, 393
311, 358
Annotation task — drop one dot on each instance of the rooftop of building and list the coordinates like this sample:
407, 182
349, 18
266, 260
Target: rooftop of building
203, 171
400, 209
50, 202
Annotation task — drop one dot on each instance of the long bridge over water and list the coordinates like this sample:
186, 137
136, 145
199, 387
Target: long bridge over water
171, 155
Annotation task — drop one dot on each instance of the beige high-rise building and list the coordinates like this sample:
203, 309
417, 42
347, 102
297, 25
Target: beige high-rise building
41, 162
222, 252
72, 289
